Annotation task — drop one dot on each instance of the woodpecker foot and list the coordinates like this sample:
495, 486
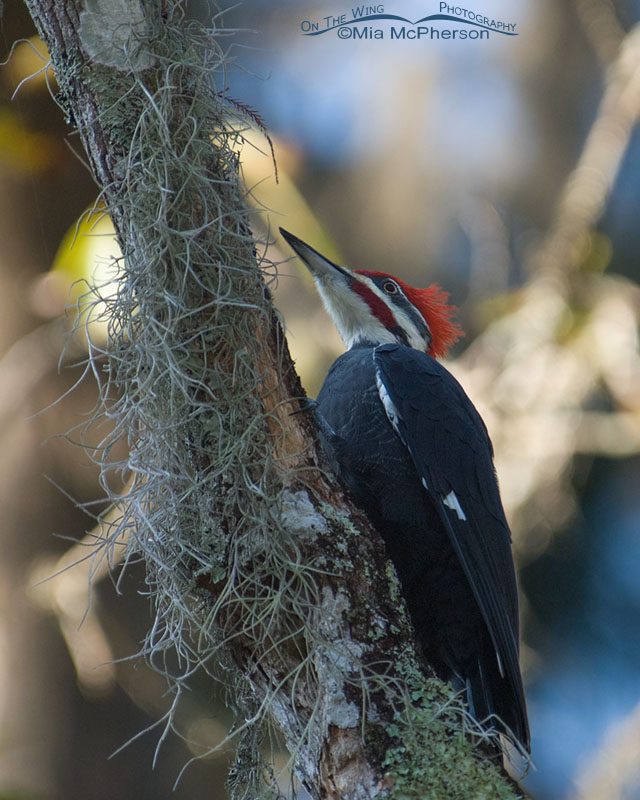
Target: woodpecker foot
327, 435
306, 404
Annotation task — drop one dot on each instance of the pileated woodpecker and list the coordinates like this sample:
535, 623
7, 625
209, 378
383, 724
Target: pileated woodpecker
416, 456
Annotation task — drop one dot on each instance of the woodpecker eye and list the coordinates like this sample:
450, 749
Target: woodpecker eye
390, 287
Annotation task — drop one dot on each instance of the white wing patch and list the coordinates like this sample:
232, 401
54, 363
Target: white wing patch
451, 501
391, 410
500, 667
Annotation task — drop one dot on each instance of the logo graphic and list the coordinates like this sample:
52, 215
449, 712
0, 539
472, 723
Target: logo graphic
358, 24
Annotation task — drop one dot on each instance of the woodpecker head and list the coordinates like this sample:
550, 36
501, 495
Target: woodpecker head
377, 308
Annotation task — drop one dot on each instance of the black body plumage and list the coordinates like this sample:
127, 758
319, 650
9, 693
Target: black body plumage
457, 574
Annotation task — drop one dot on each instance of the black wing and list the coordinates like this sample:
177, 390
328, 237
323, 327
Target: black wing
453, 455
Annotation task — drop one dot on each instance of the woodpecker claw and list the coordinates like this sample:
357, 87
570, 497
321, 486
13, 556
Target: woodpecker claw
327, 434
306, 404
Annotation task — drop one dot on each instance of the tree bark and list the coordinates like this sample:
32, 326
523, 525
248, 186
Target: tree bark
252, 548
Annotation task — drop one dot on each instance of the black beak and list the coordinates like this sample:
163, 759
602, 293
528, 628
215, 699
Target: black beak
319, 266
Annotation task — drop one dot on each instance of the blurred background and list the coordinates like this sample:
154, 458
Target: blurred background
506, 169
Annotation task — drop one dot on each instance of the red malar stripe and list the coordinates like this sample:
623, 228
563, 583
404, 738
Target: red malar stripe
378, 307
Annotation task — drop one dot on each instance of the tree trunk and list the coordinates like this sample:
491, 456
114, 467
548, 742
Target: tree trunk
254, 556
